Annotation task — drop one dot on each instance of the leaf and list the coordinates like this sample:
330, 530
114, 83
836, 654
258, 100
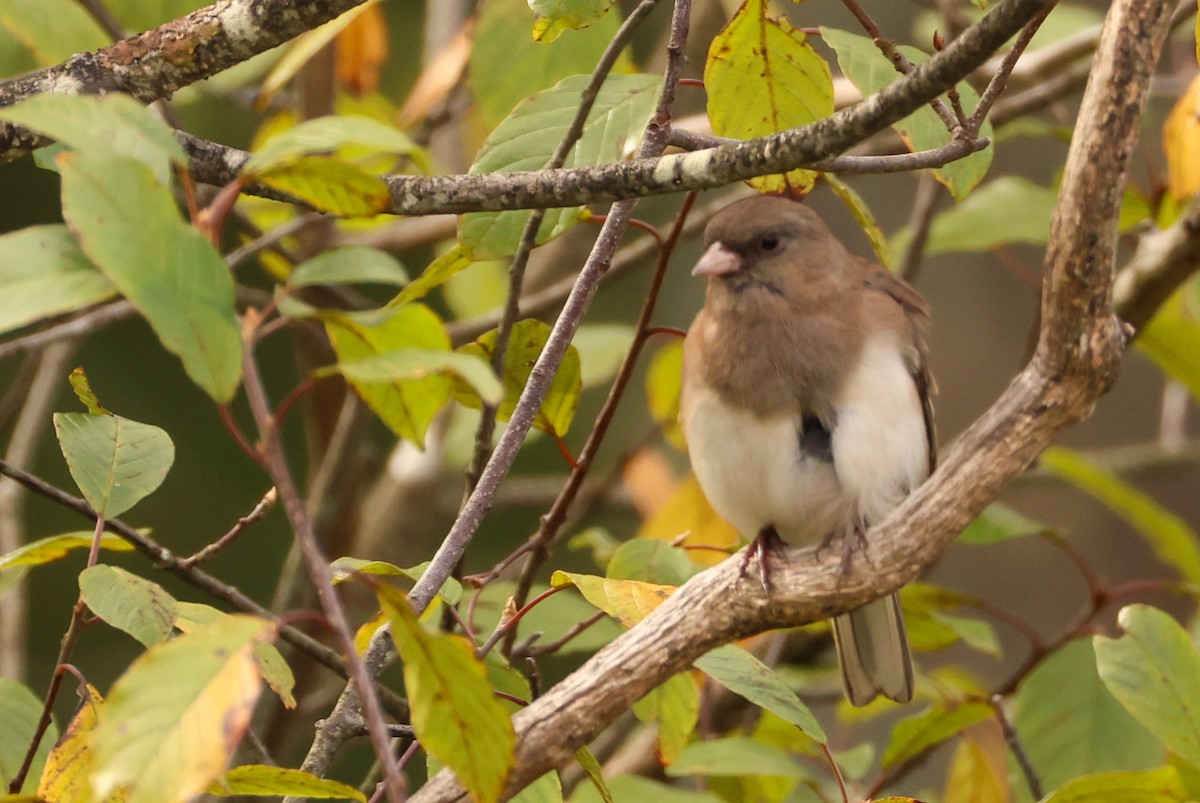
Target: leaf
1154, 671
48, 550
762, 77
862, 213
525, 345
636, 788
507, 65
735, 756
651, 561
330, 185
1181, 142
267, 781
454, 714
43, 273
528, 137
1005, 211
1173, 541
275, 670
54, 30
408, 405
675, 708
361, 51
552, 17
113, 124
346, 567
128, 225
1071, 725
932, 628
916, 734
627, 601
133, 604
746, 676
602, 348
546, 789
406, 365
115, 462
349, 265
1172, 340
20, 711
664, 382
999, 522
870, 71
172, 722
687, 512
438, 272
1153, 786
65, 777
325, 134
971, 778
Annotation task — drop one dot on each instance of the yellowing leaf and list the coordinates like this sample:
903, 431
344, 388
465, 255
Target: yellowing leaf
65, 777
1181, 143
48, 550
917, 733
687, 513
438, 272
555, 16
331, 185
362, 50
267, 781
346, 567
762, 77
627, 601
1153, 786
664, 380
454, 713
675, 708
524, 347
172, 722
972, 778
275, 670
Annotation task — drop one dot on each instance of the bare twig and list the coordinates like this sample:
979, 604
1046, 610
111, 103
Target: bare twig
260, 510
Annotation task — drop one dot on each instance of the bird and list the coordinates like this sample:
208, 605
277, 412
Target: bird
805, 405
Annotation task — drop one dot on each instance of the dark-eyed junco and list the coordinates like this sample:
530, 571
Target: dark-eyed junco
806, 403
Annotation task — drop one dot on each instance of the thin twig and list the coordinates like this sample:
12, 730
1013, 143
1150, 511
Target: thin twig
919, 221
260, 510
1016, 748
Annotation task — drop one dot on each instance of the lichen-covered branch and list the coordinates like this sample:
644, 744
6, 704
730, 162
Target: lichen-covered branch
1074, 365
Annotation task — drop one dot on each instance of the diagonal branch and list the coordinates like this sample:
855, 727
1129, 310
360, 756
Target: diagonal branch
1075, 363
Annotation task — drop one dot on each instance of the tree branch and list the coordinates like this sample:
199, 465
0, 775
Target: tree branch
1075, 363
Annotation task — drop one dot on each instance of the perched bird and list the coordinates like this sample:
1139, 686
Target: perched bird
806, 404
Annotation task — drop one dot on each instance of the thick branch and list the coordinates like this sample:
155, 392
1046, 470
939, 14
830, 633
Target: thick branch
1074, 365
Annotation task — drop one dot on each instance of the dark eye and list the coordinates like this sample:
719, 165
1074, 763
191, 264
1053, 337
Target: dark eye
769, 242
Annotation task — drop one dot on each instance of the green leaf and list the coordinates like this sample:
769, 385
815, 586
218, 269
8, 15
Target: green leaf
1153, 786
1154, 671
546, 789
675, 708
664, 383
553, 17
48, 550
275, 670
407, 406
267, 781
127, 223
20, 710
602, 348
479, 289
113, 124
762, 77
1071, 726
1005, 211
54, 30
627, 601
999, 522
746, 676
870, 71
454, 713
441, 269
332, 185
115, 462
1173, 342
44, 273
916, 734
862, 213
524, 347
527, 138
171, 723
507, 65
325, 134
650, 560
1174, 542
735, 756
636, 788
346, 567
932, 628
408, 364
132, 604
349, 265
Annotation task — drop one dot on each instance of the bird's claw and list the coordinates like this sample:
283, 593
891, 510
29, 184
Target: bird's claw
765, 543
856, 533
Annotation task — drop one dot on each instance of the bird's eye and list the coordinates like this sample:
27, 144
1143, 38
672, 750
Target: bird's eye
769, 242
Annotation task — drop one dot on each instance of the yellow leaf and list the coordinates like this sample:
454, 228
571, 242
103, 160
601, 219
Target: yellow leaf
688, 511
65, 777
649, 480
362, 49
627, 601
973, 778
762, 77
1181, 143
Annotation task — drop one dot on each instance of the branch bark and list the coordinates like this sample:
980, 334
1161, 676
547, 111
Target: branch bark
1075, 363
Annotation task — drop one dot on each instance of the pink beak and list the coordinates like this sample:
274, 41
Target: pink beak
718, 260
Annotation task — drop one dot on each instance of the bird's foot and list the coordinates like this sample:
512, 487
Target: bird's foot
856, 533
766, 543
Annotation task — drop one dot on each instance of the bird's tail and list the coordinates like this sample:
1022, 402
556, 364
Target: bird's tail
873, 652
